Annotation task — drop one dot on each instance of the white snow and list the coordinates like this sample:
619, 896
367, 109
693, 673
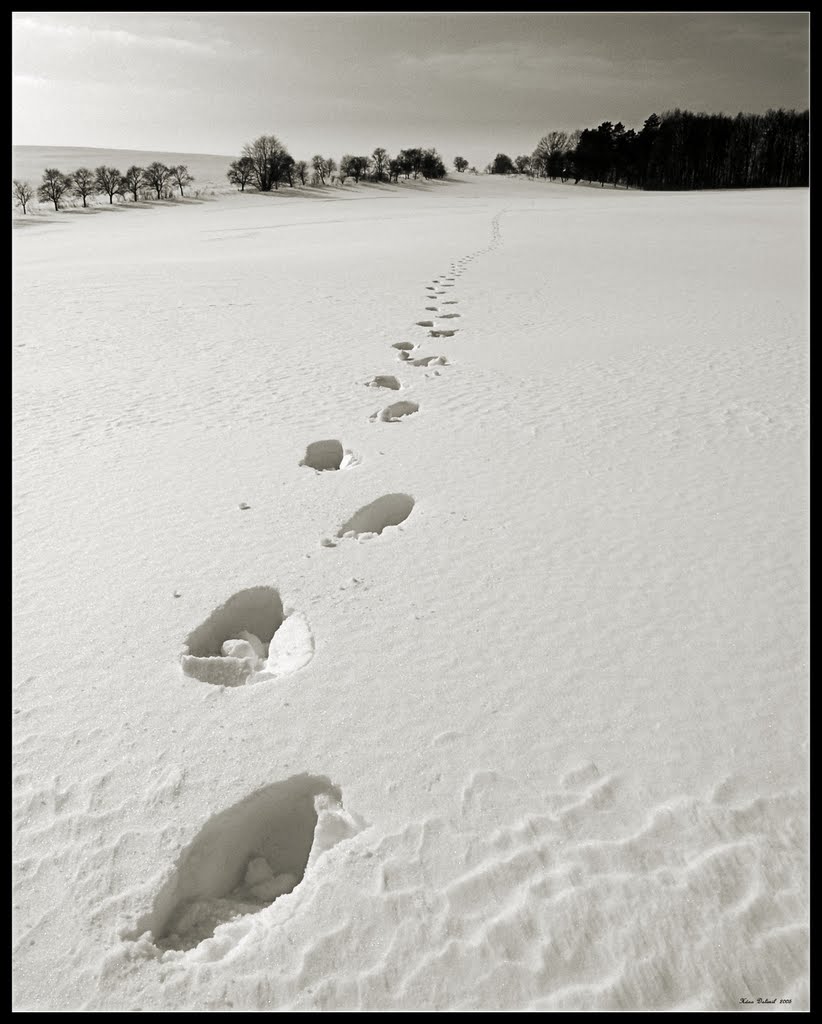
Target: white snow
521, 715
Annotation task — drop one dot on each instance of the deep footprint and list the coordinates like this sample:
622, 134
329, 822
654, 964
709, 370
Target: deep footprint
429, 360
403, 346
384, 381
425, 323
245, 858
323, 455
394, 412
442, 334
249, 639
448, 316
372, 519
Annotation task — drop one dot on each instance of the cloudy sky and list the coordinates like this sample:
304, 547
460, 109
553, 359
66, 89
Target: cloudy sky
472, 84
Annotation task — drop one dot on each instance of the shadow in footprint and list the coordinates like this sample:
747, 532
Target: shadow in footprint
372, 519
248, 639
442, 334
403, 346
394, 412
323, 455
245, 858
449, 316
425, 323
384, 381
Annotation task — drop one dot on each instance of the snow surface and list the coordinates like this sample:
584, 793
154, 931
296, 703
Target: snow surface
535, 732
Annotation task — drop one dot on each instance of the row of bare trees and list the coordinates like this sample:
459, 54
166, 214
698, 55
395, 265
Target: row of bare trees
157, 181
266, 164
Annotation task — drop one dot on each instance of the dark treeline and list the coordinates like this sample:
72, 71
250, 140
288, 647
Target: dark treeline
678, 150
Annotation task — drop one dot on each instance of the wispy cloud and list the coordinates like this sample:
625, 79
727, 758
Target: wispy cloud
109, 36
510, 64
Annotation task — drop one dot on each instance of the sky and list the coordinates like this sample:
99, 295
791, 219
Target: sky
333, 83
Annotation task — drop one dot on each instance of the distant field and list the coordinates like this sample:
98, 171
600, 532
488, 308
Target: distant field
29, 162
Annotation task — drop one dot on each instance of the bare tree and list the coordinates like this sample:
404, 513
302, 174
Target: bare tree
523, 164
460, 163
82, 184
547, 158
132, 180
379, 161
301, 170
411, 161
108, 181
353, 167
567, 156
265, 153
179, 176
283, 169
155, 176
502, 164
330, 165
318, 163
241, 172
54, 187
22, 193
432, 165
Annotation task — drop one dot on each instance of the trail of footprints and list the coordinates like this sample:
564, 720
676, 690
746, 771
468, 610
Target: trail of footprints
257, 852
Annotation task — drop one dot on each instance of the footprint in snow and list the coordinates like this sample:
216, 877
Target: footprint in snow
395, 412
384, 381
327, 455
372, 519
245, 858
249, 639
